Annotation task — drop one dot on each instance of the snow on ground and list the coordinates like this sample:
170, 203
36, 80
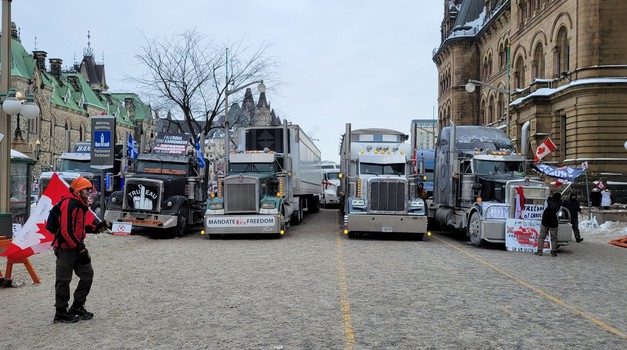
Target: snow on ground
605, 232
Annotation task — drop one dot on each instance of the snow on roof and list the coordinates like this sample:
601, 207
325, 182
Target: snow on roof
545, 92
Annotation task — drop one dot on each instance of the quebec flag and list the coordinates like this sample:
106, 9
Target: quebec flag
132, 151
199, 155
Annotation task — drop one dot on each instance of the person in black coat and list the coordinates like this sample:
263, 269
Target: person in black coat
573, 207
550, 223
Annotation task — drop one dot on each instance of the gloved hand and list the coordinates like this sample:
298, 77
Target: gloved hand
103, 225
83, 257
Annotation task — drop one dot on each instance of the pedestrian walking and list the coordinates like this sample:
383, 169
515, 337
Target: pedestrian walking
71, 253
550, 223
574, 208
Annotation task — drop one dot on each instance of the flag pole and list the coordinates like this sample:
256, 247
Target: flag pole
588, 193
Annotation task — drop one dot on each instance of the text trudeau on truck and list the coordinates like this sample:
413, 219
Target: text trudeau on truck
271, 179
168, 190
378, 190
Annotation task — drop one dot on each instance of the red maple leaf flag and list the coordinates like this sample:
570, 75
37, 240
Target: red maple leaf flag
33, 238
520, 202
544, 149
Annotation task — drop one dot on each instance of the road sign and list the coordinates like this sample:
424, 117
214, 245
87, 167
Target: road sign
103, 142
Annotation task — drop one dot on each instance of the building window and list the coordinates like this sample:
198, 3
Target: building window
491, 108
519, 74
538, 62
562, 52
68, 140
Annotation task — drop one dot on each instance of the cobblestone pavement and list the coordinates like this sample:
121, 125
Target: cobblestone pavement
317, 289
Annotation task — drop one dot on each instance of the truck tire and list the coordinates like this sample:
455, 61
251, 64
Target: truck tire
297, 215
474, 230
181, 223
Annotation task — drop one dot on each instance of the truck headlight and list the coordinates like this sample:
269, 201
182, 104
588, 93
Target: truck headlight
417, 203
358, 203
215, 206
268, 205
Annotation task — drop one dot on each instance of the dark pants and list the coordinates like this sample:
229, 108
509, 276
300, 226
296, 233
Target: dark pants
66, 264
574, 221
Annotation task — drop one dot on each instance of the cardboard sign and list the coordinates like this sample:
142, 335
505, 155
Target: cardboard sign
121, 228
522, 236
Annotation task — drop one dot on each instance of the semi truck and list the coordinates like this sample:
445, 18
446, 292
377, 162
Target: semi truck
478, 178
271, 179
167, 190
378, 184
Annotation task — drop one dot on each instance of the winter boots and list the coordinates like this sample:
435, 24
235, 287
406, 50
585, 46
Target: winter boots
64, 317
79, 310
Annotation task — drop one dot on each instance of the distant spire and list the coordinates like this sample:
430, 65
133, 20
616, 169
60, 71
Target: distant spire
88, 51
35, 44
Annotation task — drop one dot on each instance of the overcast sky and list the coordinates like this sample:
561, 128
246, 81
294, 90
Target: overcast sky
363, 62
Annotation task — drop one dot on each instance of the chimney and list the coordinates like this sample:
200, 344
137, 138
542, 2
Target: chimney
55, 67
40, 60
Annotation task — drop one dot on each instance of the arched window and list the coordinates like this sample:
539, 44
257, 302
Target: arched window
484, 113
491, 108
499, 106
562, 52
68, 138
538, 62
501, 56
490, 64
81, 133
519, 73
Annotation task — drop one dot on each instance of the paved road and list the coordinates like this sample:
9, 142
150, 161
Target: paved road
317, 289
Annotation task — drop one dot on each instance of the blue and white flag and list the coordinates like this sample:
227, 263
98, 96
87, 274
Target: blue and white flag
199, 155
563, 172
132, 150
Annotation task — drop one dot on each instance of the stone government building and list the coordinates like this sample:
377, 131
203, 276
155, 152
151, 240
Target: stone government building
564, 63
67, 98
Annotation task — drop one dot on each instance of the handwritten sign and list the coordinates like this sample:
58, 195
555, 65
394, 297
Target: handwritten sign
522, 236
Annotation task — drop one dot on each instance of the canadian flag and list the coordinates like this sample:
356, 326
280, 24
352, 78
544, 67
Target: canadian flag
520, 202
545, 148
33, 238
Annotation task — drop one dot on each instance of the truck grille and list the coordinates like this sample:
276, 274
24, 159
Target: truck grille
241, 195
387, 196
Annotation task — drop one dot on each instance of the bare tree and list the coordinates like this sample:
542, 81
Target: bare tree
188, 73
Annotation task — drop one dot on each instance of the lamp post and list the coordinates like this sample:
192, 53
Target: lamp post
470, 87
5, 120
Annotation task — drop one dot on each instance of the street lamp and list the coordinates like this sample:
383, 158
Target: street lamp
470, 87
16, 104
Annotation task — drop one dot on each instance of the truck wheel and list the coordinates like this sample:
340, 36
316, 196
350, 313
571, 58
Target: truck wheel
474, 230
179, 229
297, 215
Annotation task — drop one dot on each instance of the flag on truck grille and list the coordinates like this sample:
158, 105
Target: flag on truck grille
199, 155
544, 149
132, 150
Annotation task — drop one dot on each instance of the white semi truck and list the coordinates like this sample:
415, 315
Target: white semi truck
271, 179
478, 175
378, 186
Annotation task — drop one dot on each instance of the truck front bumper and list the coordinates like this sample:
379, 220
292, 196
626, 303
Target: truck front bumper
494, 232
385, 223
243, 224
142, 219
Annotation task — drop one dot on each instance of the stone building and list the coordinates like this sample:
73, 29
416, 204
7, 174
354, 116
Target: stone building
559, 64
67, 98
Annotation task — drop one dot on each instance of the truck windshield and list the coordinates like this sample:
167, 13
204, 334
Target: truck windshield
236, 168
382, 169
333, 175
490, 167
161, 168
75, 166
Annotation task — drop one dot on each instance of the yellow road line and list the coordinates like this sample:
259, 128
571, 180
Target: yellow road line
538, 290
349, 332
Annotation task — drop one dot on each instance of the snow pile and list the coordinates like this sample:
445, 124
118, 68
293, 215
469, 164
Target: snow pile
607, 231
